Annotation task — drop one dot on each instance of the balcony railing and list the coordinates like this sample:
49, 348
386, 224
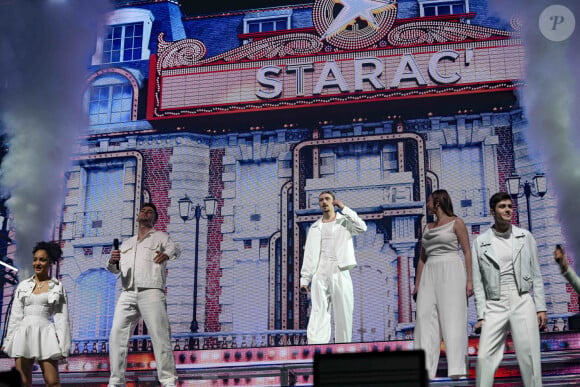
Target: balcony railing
197, 341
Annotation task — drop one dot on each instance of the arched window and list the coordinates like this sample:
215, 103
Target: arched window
95, 304
110, 100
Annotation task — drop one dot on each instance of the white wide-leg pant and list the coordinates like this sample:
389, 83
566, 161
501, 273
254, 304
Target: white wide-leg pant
330, 289
151, 305
517, 313
442, 311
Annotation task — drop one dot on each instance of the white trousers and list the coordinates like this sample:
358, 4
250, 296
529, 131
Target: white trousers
330, 289
442, 312
517, 313
151, 305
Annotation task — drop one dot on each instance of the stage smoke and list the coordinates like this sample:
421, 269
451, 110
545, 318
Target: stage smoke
46, 46
551, 99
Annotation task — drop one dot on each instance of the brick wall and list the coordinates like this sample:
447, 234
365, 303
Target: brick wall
214, 239
506, 164
156, 180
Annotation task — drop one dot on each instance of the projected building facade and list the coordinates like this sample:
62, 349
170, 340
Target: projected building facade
264, 109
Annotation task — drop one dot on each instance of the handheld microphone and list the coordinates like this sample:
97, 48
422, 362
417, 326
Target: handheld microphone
116, 247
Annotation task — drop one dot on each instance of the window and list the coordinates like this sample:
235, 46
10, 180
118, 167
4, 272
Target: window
390, 159
111, 97
257, 183
467, 190
285, 164
103, 202
95, 304
267, 25
355, 168
110, 103
125, 38
123, 43
267, 21
440, 8
327, 163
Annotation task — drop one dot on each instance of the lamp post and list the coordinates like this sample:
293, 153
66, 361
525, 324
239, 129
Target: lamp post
187, 211
538, 184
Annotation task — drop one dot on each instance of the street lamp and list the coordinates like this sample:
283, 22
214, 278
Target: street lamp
539, 184
188, 212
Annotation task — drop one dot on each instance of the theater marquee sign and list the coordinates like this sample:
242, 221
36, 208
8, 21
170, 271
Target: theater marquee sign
357, 51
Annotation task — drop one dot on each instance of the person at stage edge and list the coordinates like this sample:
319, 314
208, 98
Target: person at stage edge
565, 269
442, 286
39, 325
142, 261
505, 270
328, 259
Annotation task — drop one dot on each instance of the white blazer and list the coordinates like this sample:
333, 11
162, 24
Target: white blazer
346, 225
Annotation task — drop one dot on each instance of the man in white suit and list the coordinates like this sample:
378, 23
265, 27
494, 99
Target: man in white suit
505, 270
328, 259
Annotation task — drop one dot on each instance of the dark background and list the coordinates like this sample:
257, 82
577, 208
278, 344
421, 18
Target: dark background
201, 7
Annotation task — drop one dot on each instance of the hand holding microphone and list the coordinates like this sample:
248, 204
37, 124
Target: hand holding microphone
115, 254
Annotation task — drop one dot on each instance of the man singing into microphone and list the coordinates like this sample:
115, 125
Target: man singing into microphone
141, 260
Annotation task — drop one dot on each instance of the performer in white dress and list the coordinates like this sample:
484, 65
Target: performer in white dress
38, 328
442, 286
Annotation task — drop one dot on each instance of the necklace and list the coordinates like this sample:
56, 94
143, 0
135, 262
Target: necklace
40, 285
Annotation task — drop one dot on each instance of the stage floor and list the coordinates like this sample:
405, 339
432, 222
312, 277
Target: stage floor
293, 365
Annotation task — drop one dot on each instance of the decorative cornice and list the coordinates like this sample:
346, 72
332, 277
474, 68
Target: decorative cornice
189, 52
429, 32
186, 52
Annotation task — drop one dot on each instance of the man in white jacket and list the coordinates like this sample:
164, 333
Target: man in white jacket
328, 258
505, 270
142, 260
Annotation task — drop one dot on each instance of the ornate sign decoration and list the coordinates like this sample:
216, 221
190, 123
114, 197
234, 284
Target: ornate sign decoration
353, 24
354, 53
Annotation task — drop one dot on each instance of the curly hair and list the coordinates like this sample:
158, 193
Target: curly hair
52, 249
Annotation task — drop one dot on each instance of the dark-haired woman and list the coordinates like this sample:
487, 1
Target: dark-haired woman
39, 326
442, 285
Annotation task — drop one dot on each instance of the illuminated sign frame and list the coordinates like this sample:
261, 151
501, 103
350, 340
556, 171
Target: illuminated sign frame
416, 58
